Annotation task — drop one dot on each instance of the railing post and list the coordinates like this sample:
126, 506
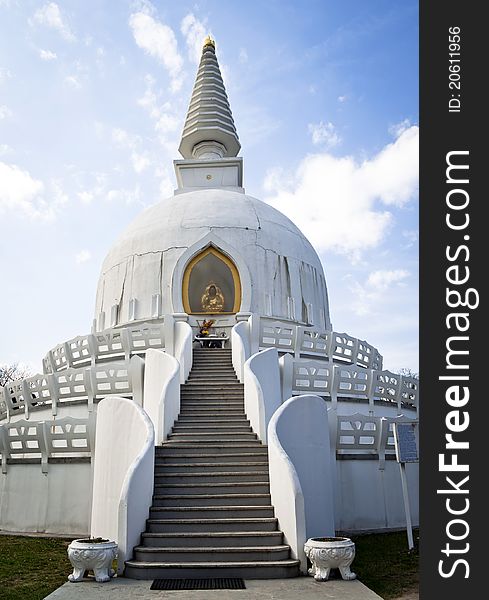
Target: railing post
53, 393
90, 382
370, 389
169, 329
254, 321
92, 348
329, 347
299, 331
43, 446
354, 357
286, 363
136, 372
126, 343
68, 356
334, 391
26, 394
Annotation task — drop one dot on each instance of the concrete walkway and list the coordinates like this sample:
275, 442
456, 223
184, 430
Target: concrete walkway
303, 588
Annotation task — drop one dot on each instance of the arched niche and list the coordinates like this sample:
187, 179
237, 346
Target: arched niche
211, 284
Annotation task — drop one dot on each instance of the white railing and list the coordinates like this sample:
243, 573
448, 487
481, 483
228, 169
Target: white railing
362, 434
108, 345
302, 376
89, 384
44, 440
302, 341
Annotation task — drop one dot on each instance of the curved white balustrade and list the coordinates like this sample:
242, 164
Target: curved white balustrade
301, 471
88, 384
108, 345
123, 473
305, 341
44, 440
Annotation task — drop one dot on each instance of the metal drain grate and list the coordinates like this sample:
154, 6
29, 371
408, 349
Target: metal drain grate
228, 583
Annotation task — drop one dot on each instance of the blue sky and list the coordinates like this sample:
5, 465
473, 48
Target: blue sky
93, 96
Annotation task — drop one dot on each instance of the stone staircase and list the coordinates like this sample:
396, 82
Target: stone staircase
211, 513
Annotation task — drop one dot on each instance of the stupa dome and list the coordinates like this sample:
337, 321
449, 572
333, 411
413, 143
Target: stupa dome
280, 273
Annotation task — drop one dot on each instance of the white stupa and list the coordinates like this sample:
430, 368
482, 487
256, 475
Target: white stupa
212, 420
276, 270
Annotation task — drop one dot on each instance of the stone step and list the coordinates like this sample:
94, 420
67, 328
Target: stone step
176, 467
196, 386
233, 401
212, 477
243, 487
211, 400
280, 569
258, 454
226, 539
216, 428
210, 512
211, 554
211, 394
217, 449
194, 413
209, 525
237, 420
215, 410
217, 378
213, 365
210, 437
204, 500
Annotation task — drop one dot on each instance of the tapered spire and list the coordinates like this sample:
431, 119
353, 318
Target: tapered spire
209, 130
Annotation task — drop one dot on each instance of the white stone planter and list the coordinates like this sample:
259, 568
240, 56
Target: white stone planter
330, 553
95, 554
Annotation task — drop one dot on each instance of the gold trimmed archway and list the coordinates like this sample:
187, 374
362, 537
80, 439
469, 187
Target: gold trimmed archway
225, 279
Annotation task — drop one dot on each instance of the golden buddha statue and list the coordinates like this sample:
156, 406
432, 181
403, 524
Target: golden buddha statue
212, 300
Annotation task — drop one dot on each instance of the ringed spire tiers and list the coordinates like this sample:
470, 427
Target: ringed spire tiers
209, 131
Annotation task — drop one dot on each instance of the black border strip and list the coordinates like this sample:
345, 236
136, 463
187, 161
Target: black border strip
441, 132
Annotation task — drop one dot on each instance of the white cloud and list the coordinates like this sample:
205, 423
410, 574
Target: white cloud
337, 202
4, 74
381, 280
73, 82
50, 16
324, 134
140, 161
124, 195
159, 41
85, 196
194, 32
412, 236
167, 120
19, 191
5, 112
83, 256
398, 128
243, 56
124, 139
376, 292
342, 98
26, 196
47, 54
5, 149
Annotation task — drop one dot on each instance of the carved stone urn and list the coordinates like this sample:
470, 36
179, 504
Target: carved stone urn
92, 553
330, 553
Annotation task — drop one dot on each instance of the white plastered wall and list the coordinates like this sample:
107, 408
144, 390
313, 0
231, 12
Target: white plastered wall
57, 502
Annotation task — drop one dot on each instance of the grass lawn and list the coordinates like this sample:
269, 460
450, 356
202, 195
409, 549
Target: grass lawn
383, 563
31, 568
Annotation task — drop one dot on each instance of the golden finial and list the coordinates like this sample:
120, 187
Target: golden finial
209, 42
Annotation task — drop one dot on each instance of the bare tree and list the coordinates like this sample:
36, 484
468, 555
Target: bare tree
407, 372
12, 372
